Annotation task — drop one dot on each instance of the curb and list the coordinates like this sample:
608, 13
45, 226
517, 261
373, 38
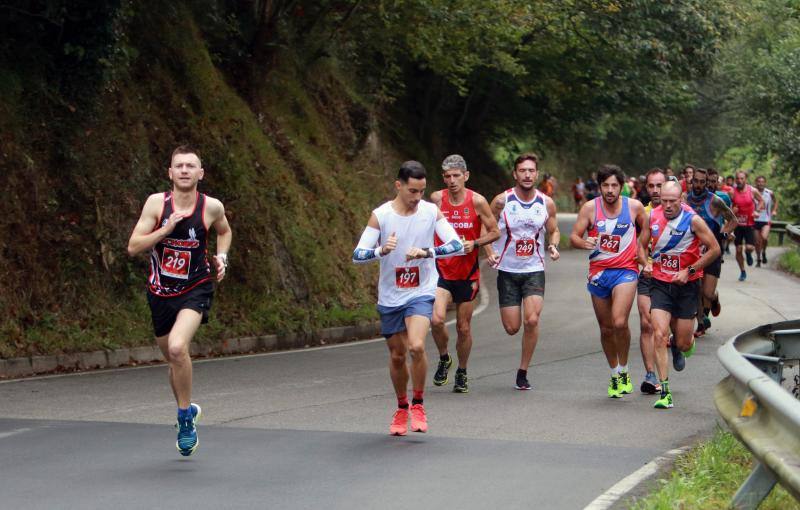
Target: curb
12, 368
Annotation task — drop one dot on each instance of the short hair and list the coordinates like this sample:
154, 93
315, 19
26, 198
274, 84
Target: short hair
526, 156
654, 171
761, 177
712, 171
185, 149
741, 172
607, 171
701, 171
454, 162
411, 170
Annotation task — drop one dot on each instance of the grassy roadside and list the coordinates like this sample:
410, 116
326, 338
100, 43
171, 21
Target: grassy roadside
707, 477
790, 261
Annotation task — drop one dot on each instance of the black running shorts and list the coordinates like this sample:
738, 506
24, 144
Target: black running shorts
514, 287
744, 235
164, 310
715, 268
643, 286
463, 291
679, 300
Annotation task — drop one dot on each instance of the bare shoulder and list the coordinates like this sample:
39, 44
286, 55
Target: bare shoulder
550, 204
214, 208
499, 199
436, 198
154, 204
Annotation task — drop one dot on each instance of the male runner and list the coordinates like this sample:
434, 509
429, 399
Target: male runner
174, 227
653, 181
763, 222
744, 206
612, 222
459, 277
677, 234
524, 215
405, 226
721, 221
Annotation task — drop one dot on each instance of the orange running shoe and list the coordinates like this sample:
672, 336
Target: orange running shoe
419, 422
399, 426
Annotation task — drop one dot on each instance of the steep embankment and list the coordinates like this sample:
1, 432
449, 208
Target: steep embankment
299, 166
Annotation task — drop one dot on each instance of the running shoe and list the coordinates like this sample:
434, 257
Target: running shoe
440, 377
650, 384
419, 422
461, 384
187, 431
399, 426
743, 275
197, 412
749, 256
706, 322
613, 388
665, 402
688, 354
625, 383
716, 308
522, 383
678, 361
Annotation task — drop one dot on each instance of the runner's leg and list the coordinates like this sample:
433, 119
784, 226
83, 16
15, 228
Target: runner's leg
602, 310
163, 344
398, 368
621, 302
532, 309
646, 333
464, 327
417, 327
438, 328
186, 325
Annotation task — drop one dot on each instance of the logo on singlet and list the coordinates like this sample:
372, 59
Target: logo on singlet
623, 225
466, 211
601, 223
192, 234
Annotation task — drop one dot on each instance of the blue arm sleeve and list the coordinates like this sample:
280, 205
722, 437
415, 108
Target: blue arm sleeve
452, 244
366, 250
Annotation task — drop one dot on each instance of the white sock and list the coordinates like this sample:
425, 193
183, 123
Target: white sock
623, 368
615, 371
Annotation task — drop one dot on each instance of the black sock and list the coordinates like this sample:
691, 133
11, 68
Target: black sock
461, 370
445, 356
705, 311
522, 374
415, 401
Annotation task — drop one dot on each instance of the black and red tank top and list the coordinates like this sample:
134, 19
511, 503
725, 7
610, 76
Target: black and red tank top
467, 224
179, 262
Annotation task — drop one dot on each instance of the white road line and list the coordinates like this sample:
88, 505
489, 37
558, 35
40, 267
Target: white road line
480, 309
14, 432
627, 484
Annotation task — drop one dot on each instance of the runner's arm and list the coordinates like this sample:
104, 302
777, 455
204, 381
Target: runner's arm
490, 231
551, 225
224, 235
451, 243
145, 235
720, 207
367, 249
757, 197
581, 225
497, 206
708, 240
643, 223
644, 250
436, 198
774, 205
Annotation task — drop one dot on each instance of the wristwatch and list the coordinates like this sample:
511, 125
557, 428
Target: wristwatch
692, 270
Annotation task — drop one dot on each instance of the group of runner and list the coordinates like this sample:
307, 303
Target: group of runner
668, 252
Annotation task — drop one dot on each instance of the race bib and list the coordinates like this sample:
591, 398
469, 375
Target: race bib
609, 243
742, 219
406, 277
524, 248
670, 263
175, 263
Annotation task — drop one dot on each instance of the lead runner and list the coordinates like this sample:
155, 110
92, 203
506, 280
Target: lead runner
174, 227
405, 228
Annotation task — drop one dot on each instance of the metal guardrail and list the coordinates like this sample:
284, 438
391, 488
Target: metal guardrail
794, 232
761, 414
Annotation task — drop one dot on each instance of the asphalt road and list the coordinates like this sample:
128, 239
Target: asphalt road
308, 429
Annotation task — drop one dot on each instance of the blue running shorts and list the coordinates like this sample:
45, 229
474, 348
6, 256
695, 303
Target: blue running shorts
603, 283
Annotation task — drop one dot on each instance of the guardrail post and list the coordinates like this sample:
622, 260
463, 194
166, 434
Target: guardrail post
770, 365
755, 489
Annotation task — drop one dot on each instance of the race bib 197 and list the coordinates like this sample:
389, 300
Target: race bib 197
406, 277
175, 263
670, 263
609, 243
524, 248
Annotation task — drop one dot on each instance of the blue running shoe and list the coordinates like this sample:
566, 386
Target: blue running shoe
743, 276
678, 360
187, 431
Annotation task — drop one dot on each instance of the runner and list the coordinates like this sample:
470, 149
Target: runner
686, 181
744, 206
763, 222
721, 221
174, 228
653, 181
677, 234
407, 284
459, 277
524, 214
578, 192
612, 222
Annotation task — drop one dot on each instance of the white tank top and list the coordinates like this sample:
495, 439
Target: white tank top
766, 214
401, 280
521, 245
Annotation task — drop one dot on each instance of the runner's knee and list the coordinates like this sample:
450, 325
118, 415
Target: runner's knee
620, 323
463, 329
417, 351
531, 321
437, 321
178, 352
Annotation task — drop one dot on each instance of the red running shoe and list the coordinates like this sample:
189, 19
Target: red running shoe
399, 426
419, 422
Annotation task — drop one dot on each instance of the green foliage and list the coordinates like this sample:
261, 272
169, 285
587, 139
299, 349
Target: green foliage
789, 261
708, 476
